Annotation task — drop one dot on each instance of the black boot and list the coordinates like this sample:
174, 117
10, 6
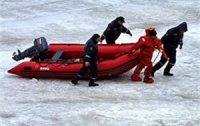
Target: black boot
92, 84
167, 69
168, 74
156, 67
153, 71
75, 80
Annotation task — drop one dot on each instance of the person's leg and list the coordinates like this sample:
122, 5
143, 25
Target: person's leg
147, 73
158, 65
171, 63
94, 73
136, 73
79, 74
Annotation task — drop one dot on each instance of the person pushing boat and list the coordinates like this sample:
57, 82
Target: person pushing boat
114, 29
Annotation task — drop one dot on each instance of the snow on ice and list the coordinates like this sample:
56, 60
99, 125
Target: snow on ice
169, 101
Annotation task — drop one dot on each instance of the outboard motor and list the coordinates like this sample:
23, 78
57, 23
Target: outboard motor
40, 47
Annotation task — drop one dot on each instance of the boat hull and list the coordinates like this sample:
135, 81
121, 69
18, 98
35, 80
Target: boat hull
112, 60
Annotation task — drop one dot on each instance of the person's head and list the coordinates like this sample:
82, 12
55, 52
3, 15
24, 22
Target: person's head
152, 32
96, 37
120, 20
182, 27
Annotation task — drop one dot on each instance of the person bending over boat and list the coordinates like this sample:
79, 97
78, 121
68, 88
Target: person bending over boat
89, 60
171, 39
114, 29
146, 44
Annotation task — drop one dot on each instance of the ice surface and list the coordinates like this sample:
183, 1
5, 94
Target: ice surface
169, 101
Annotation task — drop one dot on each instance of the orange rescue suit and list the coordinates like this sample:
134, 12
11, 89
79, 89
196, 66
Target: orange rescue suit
146, 44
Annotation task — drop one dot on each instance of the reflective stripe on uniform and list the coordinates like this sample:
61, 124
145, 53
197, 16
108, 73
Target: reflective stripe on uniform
171, 64
87, 56
93, 78
161, 63
79, 75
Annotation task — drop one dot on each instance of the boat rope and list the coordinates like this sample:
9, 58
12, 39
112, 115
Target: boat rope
52, 63
56, 65
44, 65
156, 57
120, 53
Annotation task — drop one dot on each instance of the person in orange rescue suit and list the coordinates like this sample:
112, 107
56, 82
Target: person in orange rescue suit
89, 60
146, 44
114, 29
171, 39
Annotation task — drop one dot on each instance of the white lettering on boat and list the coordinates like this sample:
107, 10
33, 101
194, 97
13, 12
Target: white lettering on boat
44, 68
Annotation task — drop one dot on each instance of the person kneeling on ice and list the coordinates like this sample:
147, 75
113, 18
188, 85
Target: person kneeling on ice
146, 44
89, 60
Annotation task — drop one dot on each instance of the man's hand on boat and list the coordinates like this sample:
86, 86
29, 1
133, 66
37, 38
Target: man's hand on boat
87, 64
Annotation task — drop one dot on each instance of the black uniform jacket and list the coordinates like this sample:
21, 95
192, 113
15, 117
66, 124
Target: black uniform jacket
174, 37
114, 30
90, 51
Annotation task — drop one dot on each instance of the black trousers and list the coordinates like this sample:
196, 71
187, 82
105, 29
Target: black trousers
171, 53
93, 68
110, 41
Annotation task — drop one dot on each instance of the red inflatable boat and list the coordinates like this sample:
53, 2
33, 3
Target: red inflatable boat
64, 61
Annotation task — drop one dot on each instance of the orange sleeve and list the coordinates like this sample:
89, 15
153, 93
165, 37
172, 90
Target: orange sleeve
139, 43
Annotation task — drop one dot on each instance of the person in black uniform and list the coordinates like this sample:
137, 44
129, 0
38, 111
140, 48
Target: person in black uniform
114, 29
89, 60
172, 38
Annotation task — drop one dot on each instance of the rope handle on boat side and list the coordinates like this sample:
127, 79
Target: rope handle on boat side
52, 63
44, 65
56, 65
